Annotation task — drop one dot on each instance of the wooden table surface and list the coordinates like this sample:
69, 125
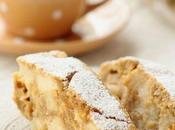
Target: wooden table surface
147, 36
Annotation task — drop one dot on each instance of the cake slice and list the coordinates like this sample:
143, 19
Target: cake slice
146, 89
56, 92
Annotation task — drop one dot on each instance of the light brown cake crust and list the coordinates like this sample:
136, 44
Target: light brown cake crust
69, 90
21, 96
146, 90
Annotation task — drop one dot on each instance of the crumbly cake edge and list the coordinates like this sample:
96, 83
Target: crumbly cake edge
157, 72
22, 61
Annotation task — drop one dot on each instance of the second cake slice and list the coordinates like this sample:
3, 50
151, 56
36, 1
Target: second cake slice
57, 92
146, 89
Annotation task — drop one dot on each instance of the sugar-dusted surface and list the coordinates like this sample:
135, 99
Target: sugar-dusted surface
163, 75
106, 111
155, 41
109, 116
48, 62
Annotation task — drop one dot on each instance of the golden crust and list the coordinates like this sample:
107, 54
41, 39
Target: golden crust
21, 96
139, 85
61, 97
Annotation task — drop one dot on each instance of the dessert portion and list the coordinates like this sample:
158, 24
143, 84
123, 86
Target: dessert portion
56, 92
146, 89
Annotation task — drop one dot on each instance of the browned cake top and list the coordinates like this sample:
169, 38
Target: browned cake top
163, 75
106, 111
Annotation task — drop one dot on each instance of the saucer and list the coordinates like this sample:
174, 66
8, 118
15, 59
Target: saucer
91, 31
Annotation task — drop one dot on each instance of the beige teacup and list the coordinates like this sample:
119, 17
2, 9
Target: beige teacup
41, 19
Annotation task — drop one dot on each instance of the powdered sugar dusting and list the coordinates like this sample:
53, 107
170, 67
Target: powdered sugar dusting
32, 57
163, 75
59, 67
92, 90
106, 112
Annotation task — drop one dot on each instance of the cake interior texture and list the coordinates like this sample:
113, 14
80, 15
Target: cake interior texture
50, 108
64, 94
137, 83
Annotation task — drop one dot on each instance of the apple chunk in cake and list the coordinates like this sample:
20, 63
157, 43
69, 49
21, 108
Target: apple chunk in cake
146, 89
62, 93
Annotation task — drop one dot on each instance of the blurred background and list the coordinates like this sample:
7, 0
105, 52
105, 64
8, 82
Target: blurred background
149, 34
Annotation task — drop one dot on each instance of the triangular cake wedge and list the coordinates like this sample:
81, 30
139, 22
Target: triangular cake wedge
57, 92
146, 89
